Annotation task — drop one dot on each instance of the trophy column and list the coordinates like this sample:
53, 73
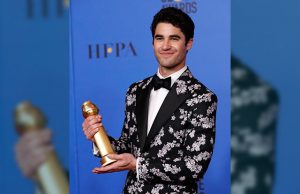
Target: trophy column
101, 138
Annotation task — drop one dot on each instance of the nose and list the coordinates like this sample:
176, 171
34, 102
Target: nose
166, 45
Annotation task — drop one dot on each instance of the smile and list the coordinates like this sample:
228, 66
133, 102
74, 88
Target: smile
166, 54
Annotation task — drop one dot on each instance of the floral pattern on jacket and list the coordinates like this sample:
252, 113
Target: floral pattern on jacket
178, 149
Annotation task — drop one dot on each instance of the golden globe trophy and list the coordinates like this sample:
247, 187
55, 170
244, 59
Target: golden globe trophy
101, 138
50, 175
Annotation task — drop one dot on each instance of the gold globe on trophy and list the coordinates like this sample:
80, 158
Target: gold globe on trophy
101, 138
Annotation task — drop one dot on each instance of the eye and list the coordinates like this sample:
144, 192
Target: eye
158, 38
175, 38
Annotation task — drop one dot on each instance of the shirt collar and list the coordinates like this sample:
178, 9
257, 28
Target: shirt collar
174, 76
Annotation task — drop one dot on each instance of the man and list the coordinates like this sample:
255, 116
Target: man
169, 128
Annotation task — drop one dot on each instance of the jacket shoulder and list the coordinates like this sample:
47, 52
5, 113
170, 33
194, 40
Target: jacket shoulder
204, 90
139, 84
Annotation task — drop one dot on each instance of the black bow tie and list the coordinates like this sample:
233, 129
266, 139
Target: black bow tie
159, 83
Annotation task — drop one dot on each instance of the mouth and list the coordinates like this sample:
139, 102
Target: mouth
166, 54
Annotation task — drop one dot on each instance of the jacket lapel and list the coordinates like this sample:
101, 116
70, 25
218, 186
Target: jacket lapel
176, 96
142, 104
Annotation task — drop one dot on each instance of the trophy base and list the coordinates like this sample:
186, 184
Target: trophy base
106, 161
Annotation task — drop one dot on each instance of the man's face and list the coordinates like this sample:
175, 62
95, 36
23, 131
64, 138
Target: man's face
170, 47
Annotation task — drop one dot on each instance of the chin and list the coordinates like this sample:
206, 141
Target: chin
166, 64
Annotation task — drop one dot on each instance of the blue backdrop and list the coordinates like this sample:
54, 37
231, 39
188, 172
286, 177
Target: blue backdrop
33, 67
111, 47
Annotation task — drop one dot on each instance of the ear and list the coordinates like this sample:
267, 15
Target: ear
189, 44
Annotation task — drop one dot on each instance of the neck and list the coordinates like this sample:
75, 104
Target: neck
165, 72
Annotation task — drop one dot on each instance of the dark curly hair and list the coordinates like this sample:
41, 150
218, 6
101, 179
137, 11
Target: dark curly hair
177, 18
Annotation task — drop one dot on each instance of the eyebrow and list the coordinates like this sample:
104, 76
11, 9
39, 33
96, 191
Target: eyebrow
175, 36
158, 36
171, 36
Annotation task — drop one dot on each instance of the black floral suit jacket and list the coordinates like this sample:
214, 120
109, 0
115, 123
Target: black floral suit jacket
177, 151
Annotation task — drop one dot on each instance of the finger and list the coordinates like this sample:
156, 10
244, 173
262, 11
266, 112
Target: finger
86, 121
89, 133
96, 171
94, 126
94, 132
115, 167
115, 156
27, 168
91, 117
112, 166
93, 121
38, 134
99, 117
101, 171
30, 162
46, 135
26, 137
83, 125
34, 139
41, 140
106, 168
41, 153
123, 164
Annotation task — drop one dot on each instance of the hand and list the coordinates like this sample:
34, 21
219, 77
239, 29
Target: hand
31, 151
124, 162
90, 126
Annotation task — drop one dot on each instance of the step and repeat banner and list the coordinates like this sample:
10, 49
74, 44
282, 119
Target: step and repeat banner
111, 47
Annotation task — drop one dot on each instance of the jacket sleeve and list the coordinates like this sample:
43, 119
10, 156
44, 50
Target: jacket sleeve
197, 148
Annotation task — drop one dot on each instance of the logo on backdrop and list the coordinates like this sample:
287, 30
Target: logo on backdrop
45, 8
188, 6
107, 50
